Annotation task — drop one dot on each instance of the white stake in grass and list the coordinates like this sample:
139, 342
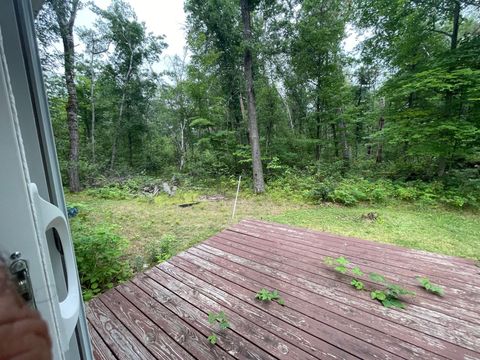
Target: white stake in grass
236, 197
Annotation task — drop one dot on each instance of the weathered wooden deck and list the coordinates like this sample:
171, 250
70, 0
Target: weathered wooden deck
162, 314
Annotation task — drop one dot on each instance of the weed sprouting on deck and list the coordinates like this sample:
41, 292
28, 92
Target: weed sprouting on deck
389, 295
217, 318
268, 296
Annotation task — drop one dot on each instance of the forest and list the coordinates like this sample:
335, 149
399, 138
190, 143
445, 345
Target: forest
266, 89
355, 117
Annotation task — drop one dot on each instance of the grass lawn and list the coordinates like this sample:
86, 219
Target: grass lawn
143, 220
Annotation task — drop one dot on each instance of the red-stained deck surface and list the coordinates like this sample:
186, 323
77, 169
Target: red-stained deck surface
162, 313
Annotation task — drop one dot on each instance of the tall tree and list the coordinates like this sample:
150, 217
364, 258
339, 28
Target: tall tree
247, 6
65, 14
96, 43
134, 47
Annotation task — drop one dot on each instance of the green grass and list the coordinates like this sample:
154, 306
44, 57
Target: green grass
142, 220
450, 232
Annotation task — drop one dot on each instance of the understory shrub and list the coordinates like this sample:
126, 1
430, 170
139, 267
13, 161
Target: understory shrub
162, 249
351, 191
100, 254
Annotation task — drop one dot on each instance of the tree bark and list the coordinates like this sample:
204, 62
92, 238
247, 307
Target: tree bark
92, 103
258, 181
318, 128
456, 25
379, 157
442, 161
344, 139
65, 12
116, 126
335, 138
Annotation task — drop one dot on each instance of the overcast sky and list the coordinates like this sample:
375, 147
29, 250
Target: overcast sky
162, 17
166, 17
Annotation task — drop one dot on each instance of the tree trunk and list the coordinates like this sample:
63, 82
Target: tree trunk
258, 181
343, 136
456, 25
442, 161
379, 158
116, 127
183, 125
65, 13
318, 128
335, 138
92, 104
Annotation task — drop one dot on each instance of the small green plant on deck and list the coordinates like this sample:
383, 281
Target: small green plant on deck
341, 265
429, 286
389, 296
222, 321
267, 296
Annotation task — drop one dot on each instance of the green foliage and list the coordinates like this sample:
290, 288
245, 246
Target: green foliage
162, 249
389, 296
357, 284
110, 193
267, 296
100, 255
217, 318
212, 338
429, 286
377, 277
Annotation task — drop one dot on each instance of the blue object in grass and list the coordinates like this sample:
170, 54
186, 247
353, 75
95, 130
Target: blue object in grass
72, 211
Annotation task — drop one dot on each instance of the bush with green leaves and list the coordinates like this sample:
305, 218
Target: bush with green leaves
110, 193
101, 259
162, 249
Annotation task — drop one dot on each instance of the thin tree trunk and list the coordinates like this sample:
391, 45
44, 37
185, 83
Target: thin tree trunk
92, 103
442, 161
182, 144
242, 108
335, 138
318, 128
65, 13
379, 157
120, 112
344, 139
258, 181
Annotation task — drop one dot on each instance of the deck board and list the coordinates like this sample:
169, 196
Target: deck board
162, 313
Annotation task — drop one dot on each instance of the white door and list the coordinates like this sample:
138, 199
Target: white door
34, 233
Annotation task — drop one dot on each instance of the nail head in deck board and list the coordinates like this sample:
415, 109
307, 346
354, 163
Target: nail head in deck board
283, 257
